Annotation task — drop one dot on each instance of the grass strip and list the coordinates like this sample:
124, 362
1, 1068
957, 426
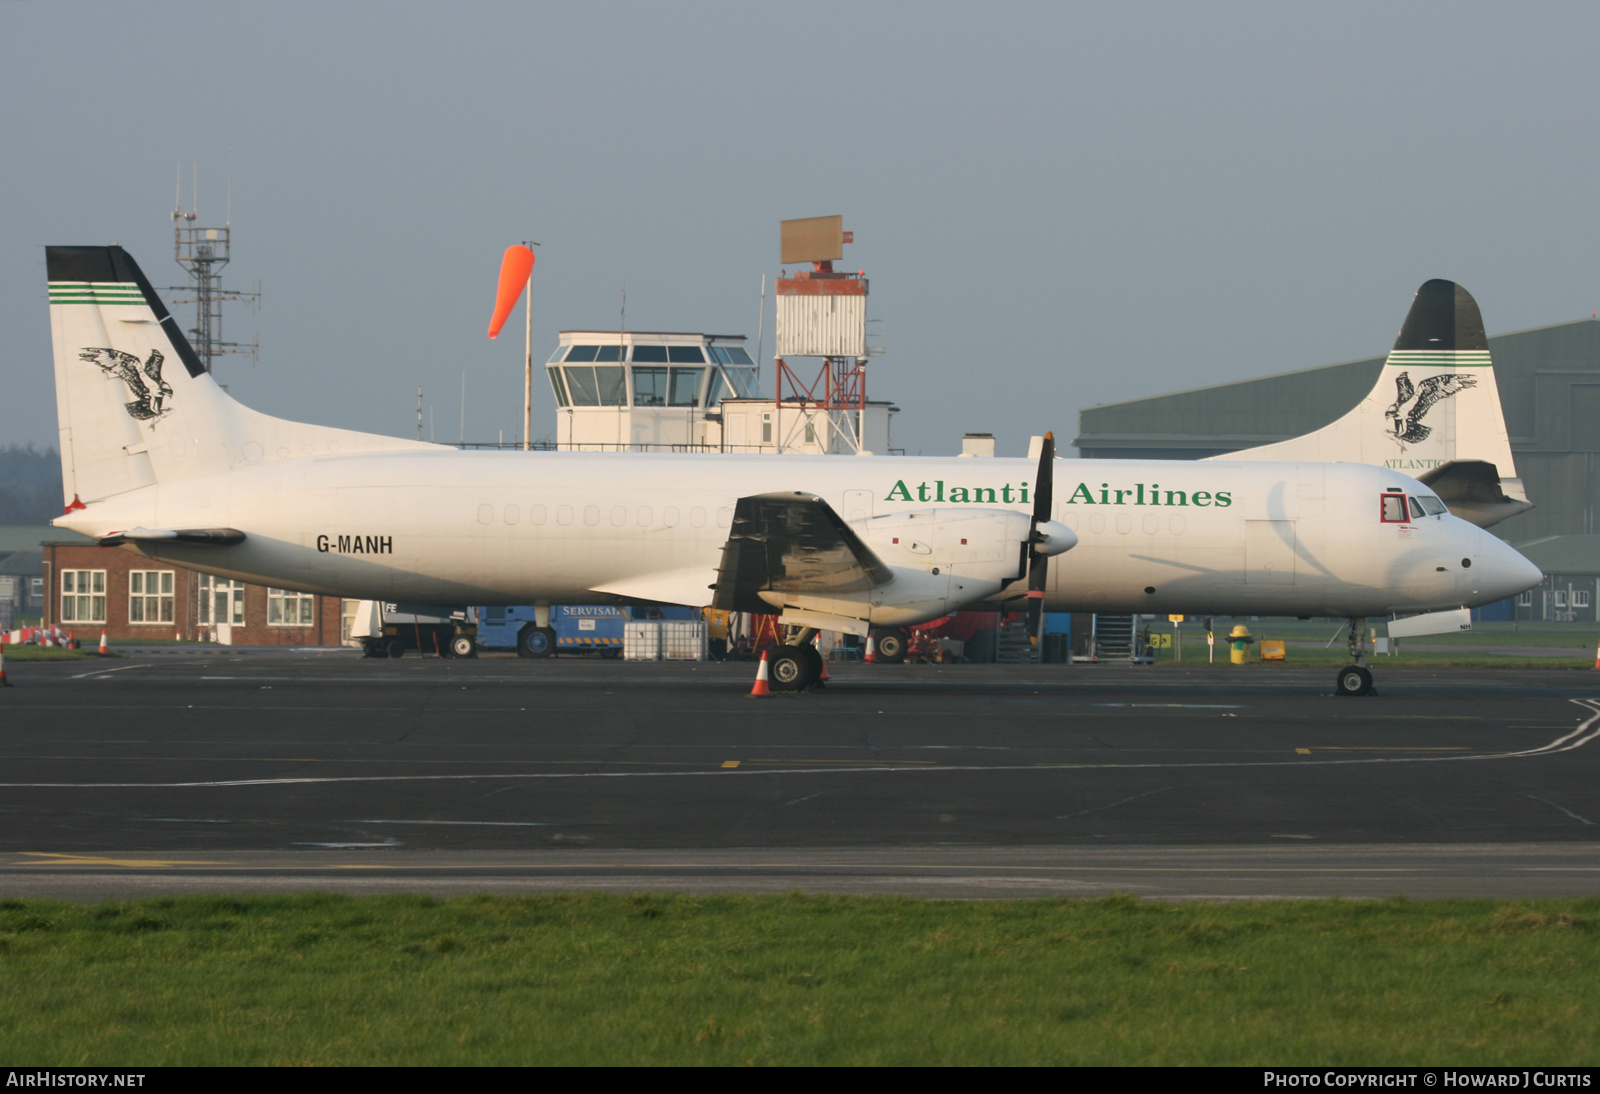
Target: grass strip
796, 979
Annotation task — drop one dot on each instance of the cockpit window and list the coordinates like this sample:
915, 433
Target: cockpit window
1394, 509
1416, 509
1433, 506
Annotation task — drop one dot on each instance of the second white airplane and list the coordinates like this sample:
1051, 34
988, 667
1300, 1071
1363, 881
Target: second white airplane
158, 459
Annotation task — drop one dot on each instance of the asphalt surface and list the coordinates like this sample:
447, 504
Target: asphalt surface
157, 773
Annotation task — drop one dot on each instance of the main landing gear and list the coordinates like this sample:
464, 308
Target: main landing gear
1355, 679
796, 665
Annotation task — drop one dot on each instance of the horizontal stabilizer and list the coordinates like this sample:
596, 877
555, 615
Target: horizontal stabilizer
207, 537
1474, 491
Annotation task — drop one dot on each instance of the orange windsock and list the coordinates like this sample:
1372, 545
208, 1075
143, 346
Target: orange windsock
515, 269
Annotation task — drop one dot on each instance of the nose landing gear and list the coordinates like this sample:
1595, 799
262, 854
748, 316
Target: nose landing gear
1355, 679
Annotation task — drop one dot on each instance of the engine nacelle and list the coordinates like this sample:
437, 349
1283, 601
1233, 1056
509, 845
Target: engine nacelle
943, 560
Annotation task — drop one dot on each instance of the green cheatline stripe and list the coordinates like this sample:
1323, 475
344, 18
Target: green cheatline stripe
97, 300
1458, 359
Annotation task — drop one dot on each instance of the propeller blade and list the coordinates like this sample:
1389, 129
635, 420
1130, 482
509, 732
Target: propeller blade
1039, 564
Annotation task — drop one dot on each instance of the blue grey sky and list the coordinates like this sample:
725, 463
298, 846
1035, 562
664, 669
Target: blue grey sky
1058, 204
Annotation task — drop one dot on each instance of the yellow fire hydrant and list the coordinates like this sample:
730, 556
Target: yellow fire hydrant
1239, 639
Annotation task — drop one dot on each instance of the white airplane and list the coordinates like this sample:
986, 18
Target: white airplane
158, 459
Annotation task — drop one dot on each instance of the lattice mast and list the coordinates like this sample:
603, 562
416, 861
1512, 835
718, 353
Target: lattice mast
821, 313
203, 252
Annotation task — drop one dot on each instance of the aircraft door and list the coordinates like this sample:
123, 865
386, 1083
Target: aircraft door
1269, 552
857, 504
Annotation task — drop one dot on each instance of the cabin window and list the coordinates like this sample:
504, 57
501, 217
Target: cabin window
737, 356
558, 387
719, 390
581, 353
685, 386
150, 596
580, 381
685, 355
649, 386
612, 382
608, 353
650, 354
1394, 508
745, 382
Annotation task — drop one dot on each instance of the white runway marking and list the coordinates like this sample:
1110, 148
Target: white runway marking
1586, 732
102, 672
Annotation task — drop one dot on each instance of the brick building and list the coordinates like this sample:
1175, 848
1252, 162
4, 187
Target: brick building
89, 588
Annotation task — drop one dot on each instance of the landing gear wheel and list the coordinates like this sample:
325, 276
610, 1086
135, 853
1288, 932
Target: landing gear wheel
1354, 680
463, 646
891, 646
793, 668
535, 641
393, 648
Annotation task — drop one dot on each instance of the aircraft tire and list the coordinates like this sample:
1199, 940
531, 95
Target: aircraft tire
393, 649
891, 646
533, 641
793, 668
1354, 680
462, 645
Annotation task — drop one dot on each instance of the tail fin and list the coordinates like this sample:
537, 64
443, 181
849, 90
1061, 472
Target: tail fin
1434, 414
135, 405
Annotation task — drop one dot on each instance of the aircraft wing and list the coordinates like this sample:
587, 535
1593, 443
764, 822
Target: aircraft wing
791, 542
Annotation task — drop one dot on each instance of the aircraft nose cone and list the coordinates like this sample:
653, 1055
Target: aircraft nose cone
1054, 538
1503, 571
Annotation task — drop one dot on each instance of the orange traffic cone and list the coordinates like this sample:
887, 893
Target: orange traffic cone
823, 678
4, 683
872, 652
761, 678
105, 648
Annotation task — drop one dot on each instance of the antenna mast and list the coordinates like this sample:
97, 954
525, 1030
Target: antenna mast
203, 252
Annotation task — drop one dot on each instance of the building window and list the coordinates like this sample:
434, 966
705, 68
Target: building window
1580, 598
83, 596
150, 596
221, 601
1561, 598
1525, 600
290, 609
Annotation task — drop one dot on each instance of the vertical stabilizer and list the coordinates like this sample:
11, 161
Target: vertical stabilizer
135, 405
1434, 413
